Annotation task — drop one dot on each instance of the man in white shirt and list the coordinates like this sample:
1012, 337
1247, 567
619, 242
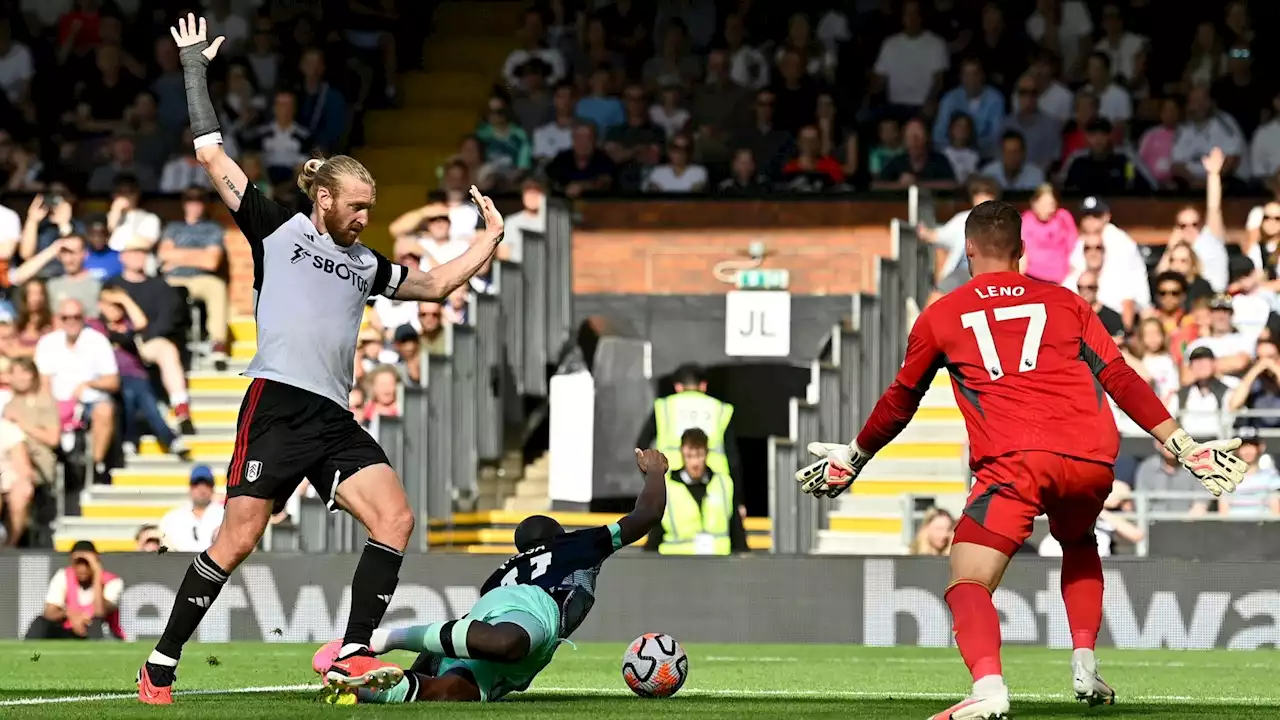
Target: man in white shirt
192, 526
126, 221
1115, 289
678, 175
1074, 26
534, 46
1124, 259
1054, 98
911, 64
1232, 349
555, 137
1198, 136
78, 367
1114, 102
1012, 170
1252, 302
747, 65
1206, 234
10, 231
954, 269
1125, 49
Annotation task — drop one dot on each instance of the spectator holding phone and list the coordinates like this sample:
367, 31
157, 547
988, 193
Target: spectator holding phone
50, 218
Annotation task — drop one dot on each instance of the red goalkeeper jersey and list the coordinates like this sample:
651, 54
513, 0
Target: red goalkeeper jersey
1029, 362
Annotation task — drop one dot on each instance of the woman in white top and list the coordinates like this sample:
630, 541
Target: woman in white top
1151, 347
670, 113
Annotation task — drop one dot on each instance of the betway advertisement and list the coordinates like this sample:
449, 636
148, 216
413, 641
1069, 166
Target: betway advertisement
872, 601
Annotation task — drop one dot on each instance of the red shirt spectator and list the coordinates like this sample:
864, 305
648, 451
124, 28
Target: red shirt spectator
81, 27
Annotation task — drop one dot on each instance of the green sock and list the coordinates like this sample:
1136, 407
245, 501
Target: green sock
397, 694
446, 638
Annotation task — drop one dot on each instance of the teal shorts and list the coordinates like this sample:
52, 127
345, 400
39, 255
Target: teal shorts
532, 609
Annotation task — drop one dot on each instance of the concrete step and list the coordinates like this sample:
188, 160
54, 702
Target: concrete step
90, 528
875, 487
244, 349
148, 509
244, 328
202, 446
466, 88
884, 467
474, 19
881, 523
527, 504
212, 382
455, 54
171, 495
882, 505
532, 488
419, 127
136, 478
854, 543
933, 431
104, 545
923, 450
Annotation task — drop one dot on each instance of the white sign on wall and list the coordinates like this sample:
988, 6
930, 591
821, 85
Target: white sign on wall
757, 323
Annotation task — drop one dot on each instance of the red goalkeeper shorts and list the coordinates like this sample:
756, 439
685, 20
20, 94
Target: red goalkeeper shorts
1011, 490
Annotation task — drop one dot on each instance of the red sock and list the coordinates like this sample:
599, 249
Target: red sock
977, 628
1082, 593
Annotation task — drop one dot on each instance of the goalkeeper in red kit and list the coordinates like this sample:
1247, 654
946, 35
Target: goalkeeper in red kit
1029, 362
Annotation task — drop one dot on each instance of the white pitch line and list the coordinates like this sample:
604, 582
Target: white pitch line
691, 692
852, 660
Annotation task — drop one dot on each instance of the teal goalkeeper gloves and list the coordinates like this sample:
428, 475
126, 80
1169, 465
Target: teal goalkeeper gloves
835, 472
1212, 462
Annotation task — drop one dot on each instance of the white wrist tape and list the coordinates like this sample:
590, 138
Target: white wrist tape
213, 138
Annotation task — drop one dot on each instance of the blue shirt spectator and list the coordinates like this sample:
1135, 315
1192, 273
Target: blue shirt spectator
602, 109
979, 101
100, 260
193, 232
323, 110
1011, 169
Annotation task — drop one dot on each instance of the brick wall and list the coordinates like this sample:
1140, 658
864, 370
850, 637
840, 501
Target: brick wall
240, 269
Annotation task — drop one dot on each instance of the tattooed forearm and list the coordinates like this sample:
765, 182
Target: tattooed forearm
232, 187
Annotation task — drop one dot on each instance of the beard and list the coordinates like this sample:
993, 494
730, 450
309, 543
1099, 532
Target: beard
341, 228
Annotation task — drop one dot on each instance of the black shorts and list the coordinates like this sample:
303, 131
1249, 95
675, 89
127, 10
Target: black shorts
285, 434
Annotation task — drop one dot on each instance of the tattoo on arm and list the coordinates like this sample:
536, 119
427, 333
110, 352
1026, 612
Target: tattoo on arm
232, 187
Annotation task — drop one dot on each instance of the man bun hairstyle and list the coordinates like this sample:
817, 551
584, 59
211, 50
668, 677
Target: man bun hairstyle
328, 173
995, 228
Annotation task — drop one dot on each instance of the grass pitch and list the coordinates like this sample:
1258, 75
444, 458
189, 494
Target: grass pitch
730, 682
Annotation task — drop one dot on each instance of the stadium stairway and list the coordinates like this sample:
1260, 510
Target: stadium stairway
152, 482
928, 460
439, 105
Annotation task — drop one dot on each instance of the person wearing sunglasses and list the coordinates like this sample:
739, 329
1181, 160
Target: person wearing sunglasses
1205, 232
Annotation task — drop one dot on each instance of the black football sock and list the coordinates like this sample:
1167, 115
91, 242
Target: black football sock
199, 588
377, 575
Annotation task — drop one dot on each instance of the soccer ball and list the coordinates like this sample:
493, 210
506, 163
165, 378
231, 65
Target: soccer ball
655, 665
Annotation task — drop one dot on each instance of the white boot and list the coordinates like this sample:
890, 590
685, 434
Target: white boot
1088, 684
989, 701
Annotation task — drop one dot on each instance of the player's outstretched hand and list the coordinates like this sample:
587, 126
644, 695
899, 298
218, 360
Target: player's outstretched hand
1212, 462
192, 33
651, 459
835, 472
493, 221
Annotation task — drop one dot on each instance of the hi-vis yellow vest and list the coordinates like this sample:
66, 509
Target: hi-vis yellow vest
684, 520
690, 409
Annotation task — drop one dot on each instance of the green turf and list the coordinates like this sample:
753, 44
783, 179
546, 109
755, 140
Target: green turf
726, 681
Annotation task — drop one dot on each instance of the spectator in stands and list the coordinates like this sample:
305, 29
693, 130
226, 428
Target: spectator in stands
1251, 300
390, 313
1259, 493
438, 247
506, 145
282, 142
937, 528
1207, 61
1203, 396
243, 104
533, 45
673, 64
1206, 232
1053, 97
1041, 133
1108, 525
123, 164
718, 104
323, 105
1171, 301
152, 143
670, 113
796, 93
1003, 53
434, 332
637, 140
1101, 168
149, 538
593, 51
35, 317
889, 134
1125, 51
457, 307
1087, 286
770, 145
1264, 151
677, 175
408, 346
1012, 170
961, 148
1183, 261
181, 170
29, 437
1073, 36
974, 97
1155, 149
1075, 133
920, 164
1236, 94
556, 136
532, 218
531, 100
584, 168
811, 170
1259, 389
1232, 349
910, 66
1151, 346
705, 515
127, 221
836, 140
192, 526
49, 218
1114, 103
78, 367
161, 335
383, 386
743, 178
1114, 289
1162, 473
747, 65
953, 271
16, 71
101, 260
82, 601
599, 106
1121, 249
102, 95
1199, 135
263, 57
356, 400
191, 254
75, 282
1049, 233
121, 322
370, 352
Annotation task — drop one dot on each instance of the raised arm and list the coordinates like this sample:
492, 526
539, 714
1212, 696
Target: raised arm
196, 52
437, 283
1213, 167
652, 501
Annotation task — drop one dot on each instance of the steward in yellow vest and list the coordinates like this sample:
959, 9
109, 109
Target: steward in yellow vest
702, 515
692, 407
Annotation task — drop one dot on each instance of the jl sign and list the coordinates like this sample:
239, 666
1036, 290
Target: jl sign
757, 324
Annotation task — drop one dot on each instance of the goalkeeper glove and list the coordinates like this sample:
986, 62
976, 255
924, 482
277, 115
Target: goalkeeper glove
1212, 462
835, 472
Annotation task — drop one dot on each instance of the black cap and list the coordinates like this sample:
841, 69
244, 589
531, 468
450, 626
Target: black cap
1248, 433
1094, 205
405, 333
1200, 353
1098, 125
84, 546
1220, 302
1239, 266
